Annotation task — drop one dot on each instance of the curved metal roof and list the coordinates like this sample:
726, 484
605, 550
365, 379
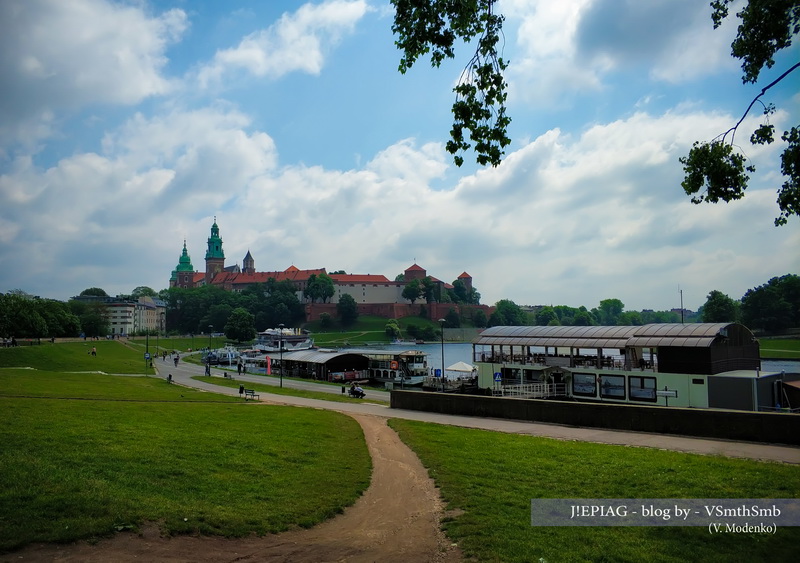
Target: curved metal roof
646, 336
310, 356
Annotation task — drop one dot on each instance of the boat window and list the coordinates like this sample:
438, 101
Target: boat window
612, 386
584, 384
642, 388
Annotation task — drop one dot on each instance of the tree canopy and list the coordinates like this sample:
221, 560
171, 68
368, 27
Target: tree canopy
714, 171
347, 309
718, 169
433, 27
719, 308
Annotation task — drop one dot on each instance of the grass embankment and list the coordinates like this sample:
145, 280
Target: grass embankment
780, 348
492, 477
288, 391
75, 469
366, 329
113, 356
173, 343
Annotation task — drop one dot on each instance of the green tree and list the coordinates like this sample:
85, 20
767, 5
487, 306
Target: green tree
719, 308
583, 318
92, 316
412, 291
347, 309
240, 326
94, 291
325, 288
434, 27
545, 316
773, 306
60, 320
479, 319
609, 311
507, 313
19, 317
630, 318
325, 321
452, 319
392, 329
428, 288
716, 170
143, 291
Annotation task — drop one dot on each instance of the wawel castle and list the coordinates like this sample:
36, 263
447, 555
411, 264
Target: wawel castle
375, 294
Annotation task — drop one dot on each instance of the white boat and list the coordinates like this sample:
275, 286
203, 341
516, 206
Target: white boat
407, 367
290, 339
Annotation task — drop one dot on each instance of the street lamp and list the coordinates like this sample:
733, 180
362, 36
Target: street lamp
280, 344
441, 333
210, 330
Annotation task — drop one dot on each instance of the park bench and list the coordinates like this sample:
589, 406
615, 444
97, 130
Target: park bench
250, 394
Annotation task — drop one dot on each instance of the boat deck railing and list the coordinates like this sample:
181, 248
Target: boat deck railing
530, 390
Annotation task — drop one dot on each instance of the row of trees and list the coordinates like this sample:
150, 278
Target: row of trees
433, 292
25, 316
195, 310
771, 307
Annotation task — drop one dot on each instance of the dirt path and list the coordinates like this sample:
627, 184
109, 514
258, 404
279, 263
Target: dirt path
397, 519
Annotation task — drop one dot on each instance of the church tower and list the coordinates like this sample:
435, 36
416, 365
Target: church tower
215, 257
248, 264
183, 274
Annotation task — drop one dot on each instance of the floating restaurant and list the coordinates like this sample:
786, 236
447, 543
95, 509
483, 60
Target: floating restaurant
704, 365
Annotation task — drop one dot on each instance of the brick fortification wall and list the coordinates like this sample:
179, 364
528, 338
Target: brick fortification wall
772, 428
434, 311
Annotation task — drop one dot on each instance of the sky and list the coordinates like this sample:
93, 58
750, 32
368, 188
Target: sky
128, 127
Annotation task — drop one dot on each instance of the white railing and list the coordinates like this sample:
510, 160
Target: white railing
530, 390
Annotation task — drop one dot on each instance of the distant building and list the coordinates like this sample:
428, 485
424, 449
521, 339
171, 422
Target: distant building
126, 316
366, 289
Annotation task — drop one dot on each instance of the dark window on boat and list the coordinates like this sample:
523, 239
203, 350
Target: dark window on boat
698, 381
642, 388
612, 386
584, 384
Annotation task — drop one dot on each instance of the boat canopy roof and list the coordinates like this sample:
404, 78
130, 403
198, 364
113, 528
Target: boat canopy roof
647, 336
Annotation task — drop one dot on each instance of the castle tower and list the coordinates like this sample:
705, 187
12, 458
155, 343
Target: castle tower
248, 264
414, 272
467, 280
215, 257
183, 274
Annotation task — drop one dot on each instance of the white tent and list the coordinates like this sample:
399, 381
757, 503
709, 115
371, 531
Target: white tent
461, 366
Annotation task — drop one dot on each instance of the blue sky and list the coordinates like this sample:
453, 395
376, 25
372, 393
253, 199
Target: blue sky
126, 127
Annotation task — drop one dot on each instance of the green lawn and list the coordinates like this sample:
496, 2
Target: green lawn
366, 329
112, 357
780, 348
72, 469
287, 391
492, 478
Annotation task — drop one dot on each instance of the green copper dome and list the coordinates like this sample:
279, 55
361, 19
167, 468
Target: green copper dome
184, 263
214, 244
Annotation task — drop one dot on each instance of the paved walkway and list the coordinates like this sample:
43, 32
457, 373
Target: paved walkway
748, 450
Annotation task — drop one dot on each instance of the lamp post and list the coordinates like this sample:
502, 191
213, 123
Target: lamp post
441, 334
280, 345
210, 330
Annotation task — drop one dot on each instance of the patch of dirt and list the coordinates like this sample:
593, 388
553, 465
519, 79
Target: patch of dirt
397, 519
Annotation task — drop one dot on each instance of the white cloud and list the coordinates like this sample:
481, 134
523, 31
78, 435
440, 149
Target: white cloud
60, 56
296, 42
573, 47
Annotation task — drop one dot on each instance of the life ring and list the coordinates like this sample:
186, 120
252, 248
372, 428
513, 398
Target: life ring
394, 365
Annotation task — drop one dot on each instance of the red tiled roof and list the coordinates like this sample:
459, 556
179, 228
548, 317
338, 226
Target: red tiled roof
464, 275
359, 278
243, 278
415, 267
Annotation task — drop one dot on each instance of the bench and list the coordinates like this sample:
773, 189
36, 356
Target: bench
250, 394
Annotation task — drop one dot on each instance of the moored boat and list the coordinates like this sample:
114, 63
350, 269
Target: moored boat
273, 339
